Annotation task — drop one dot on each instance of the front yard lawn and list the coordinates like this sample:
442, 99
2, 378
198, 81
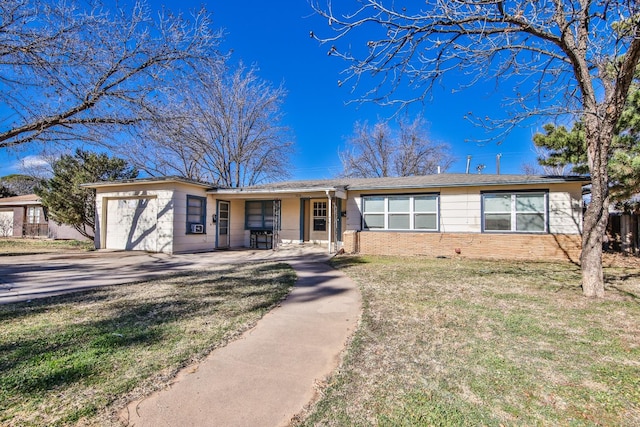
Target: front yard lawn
79, 358
18, 246
447, 342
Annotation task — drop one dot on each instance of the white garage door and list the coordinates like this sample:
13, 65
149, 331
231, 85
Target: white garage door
132, 224
6, 223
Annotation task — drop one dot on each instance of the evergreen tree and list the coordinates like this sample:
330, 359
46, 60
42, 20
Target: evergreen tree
69, 203
565, 147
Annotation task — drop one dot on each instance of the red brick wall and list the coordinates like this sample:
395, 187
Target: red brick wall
469, 245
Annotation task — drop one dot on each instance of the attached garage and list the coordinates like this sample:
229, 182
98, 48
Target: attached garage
6, 223
132, 224
167, 214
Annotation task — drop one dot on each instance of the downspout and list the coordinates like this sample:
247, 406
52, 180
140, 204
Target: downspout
329, 220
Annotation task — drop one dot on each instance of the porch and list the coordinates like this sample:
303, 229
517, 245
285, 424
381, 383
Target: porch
265, 218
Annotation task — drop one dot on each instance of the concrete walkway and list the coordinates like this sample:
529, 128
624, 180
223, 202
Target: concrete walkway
270, 373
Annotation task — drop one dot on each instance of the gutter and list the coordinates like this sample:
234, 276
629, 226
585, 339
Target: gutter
465, 184
339, 192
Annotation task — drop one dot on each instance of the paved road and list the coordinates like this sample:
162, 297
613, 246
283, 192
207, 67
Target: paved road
34, 276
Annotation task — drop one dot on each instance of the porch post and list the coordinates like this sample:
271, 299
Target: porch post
329, 220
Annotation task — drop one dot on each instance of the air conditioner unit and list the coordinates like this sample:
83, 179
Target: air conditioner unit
197, 228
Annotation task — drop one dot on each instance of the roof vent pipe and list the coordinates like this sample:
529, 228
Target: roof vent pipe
468, 163
498, 163
438, 170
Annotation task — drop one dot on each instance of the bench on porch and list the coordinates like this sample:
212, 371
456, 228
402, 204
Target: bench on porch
261, 239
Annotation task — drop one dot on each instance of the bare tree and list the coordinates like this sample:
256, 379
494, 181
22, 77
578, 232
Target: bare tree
379, 151
542, 169
78, 71
225, 128
19, 184
368, 153
576, 56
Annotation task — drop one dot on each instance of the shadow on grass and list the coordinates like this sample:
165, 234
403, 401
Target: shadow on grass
347, 261
612, 275
7, 254
38, 358
63, 355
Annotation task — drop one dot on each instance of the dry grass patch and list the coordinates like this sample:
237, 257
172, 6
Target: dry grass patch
81, 357
17, 246
462, 342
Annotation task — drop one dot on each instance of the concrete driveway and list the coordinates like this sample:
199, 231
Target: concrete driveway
35, 276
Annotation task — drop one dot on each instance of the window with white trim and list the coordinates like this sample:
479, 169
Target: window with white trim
33, 214
196, 214
515, 212
401, 212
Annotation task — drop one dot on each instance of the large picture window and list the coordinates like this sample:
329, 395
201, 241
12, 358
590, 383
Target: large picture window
402, 212
515, 212
196, 214
258, 215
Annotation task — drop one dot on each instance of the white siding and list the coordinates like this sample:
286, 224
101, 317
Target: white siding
238, 236
182, 240
461, 208
565, 210
132, 224
163, 216
171, 215
353, 207
290, 224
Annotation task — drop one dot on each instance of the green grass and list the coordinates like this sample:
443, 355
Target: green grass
14, 246
449, 342
82, 357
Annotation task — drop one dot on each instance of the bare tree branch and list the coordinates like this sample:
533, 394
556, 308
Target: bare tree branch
380, 152
222, 126
560, 57
68, 69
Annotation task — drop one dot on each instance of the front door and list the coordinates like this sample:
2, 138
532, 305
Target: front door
222, 238
318, 220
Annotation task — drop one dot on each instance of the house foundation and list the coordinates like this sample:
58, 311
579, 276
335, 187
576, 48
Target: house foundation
543, 247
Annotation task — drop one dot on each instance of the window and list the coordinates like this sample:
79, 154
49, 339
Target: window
402, 212
258, 215
515, 212
33, 215
196, 214
319, 216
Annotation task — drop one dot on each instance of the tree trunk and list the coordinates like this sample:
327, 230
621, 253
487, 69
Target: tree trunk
598, 137
595, 224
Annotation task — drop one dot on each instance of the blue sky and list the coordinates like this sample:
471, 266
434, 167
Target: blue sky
274, 35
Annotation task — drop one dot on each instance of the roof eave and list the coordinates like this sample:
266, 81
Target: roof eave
274, 190
145, 181
18, 204
465, 184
